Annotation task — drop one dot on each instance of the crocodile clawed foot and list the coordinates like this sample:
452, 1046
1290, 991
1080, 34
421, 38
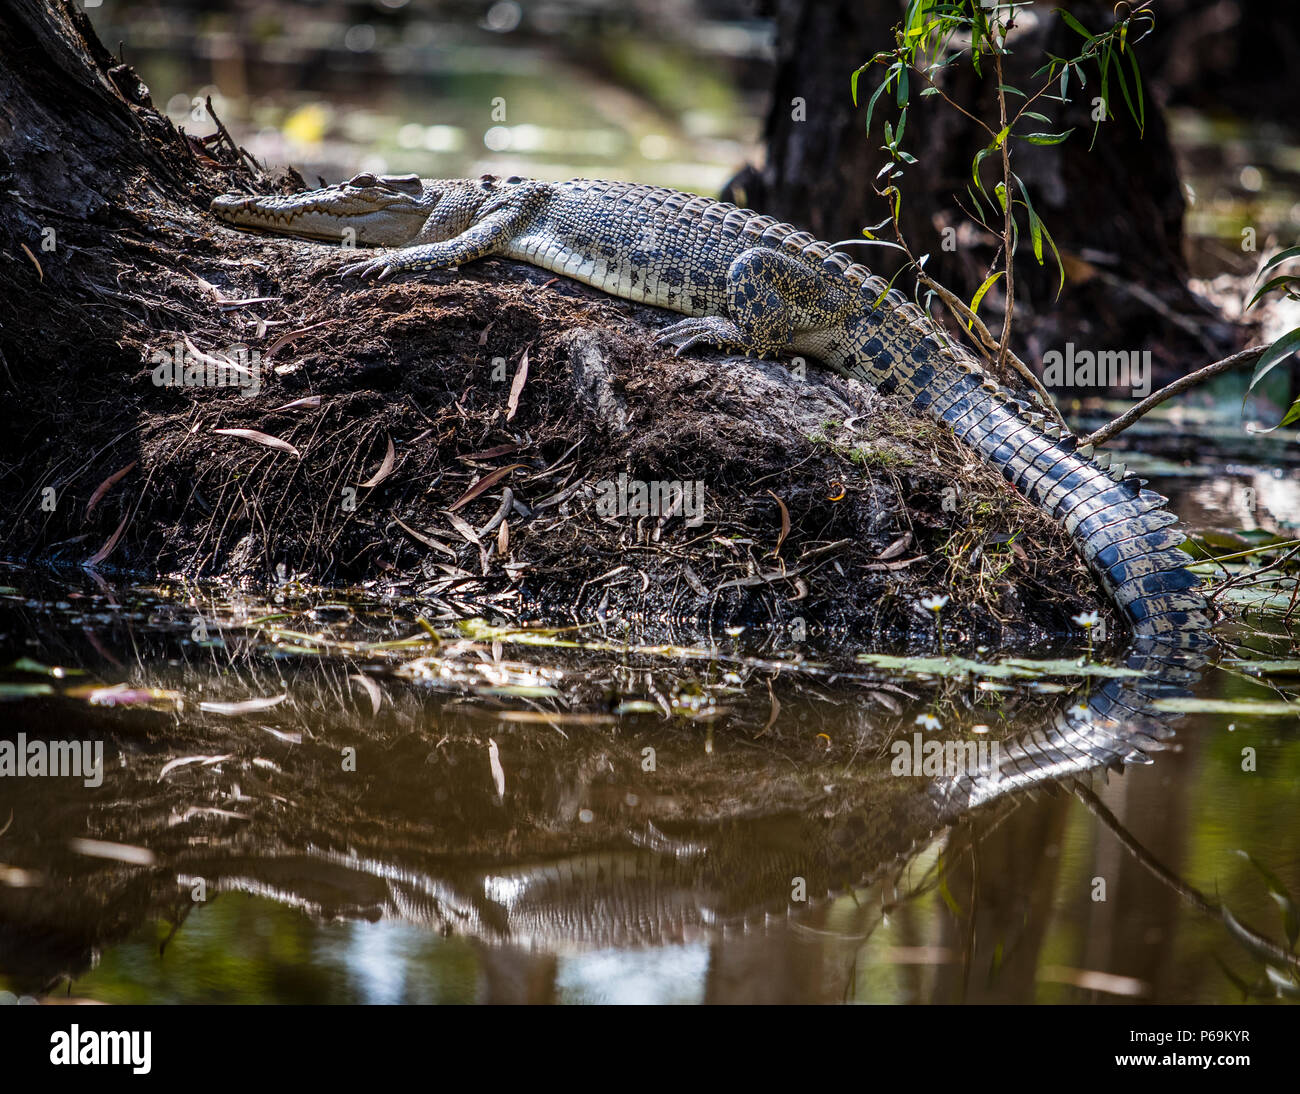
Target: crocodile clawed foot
369, 270
709, 329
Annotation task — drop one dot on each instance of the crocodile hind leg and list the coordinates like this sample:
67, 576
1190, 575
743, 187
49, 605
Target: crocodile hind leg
488, 236
771, 298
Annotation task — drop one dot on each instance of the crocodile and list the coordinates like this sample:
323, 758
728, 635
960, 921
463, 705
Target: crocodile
749, 283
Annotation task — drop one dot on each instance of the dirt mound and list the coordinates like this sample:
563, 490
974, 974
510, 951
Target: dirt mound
496, 439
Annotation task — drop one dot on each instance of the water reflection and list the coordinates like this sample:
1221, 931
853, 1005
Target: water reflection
356, 840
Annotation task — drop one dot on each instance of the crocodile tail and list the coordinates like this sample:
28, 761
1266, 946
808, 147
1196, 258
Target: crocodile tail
1123, 531
1115, 725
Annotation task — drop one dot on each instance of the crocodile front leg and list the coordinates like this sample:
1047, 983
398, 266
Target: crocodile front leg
771, 298
488, 236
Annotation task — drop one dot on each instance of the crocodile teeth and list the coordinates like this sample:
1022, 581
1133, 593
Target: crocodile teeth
1102, 459
1085, 451
1117, 472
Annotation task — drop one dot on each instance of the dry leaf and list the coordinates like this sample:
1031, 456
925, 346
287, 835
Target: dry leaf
261, 438
385, 468
485, 483
107, 549
310, 402
436, 544
785, 525
371, 689
244, 706
28, 251
896, 548
107, 485
517, 386
182, 761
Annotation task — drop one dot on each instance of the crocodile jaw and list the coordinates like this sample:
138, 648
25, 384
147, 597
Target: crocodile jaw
378, 216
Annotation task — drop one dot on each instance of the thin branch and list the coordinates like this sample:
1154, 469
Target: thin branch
1237, 360
1249, 577
956, 106
1008, 218
990, 343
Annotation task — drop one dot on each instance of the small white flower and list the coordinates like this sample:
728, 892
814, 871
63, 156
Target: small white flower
934, 603
928, 721
1080, 713
1087, 619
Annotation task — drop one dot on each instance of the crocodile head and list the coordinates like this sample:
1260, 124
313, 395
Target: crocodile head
383, 210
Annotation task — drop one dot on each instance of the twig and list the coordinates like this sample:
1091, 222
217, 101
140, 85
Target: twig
225, 133
1250, 575
1008, 220
1237, 360
958, 306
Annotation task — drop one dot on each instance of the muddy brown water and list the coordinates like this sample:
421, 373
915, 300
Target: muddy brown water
305, 797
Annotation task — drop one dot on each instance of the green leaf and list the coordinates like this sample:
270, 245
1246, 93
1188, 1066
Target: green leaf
1060, 266
1137, 86
1254, 708
902, 122
1123, 87
1073, 23
1279, 258
1278, 352
1047, 138
979, 293
871, 104
903, 86
1289, 418
1281, 279
1038, 231
975, 168
1036, 116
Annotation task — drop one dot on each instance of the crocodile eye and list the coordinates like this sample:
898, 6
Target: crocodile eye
365, 179
406, 184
